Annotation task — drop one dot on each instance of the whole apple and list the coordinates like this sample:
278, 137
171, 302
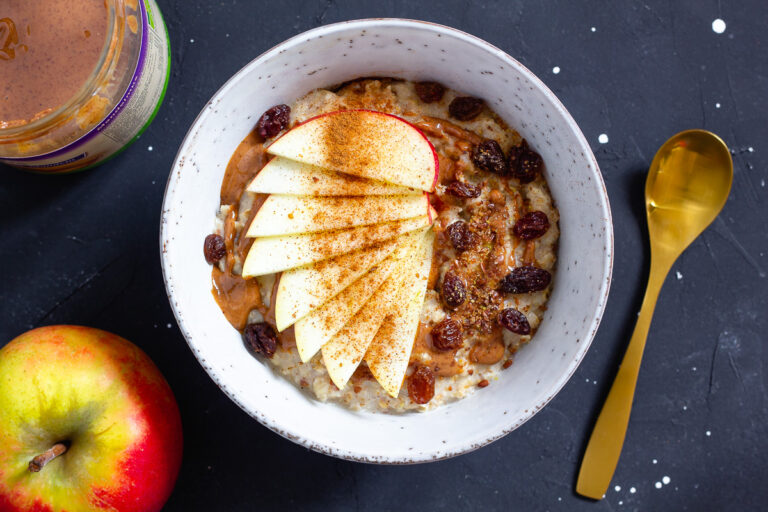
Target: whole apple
87, 422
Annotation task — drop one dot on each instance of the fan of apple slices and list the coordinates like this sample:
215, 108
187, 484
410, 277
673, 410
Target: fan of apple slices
347, 222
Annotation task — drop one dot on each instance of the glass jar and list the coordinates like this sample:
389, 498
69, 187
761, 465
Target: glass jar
113, 107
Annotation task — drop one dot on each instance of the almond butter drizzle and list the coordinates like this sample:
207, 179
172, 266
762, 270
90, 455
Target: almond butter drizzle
229, 238
436, 125
243, 243
489, 349
236, 296
529, 255
443, 364
245, 163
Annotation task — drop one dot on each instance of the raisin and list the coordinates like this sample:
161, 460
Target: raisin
515, 154
429, 92
488, 156
421, 385
273, 121
447, 335
531, 164
461, 236
513, 320
483, 383
531, 225
260, 338
214, 248
525, 280
461, 189
465, 108
454, 291
524, 163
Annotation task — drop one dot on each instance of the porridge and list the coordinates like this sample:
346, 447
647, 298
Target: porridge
490, 221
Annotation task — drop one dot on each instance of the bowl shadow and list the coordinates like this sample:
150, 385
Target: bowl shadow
631, 182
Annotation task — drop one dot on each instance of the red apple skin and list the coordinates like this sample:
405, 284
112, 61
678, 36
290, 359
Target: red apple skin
139, 469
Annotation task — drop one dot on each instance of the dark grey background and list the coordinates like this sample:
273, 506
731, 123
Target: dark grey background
83, 249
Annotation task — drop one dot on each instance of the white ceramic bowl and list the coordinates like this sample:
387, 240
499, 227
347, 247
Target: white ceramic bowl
418, 51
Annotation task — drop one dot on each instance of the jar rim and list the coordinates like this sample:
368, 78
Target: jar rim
113, 42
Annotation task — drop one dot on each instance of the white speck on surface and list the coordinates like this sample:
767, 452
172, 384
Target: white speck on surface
751, 149
617, 488
679, 275
655, 461
593, 29
762, 183
191, 40
594, 382
632, 490
708, 432
657, 485
718, 26
587, 381
556, 69
665, 480
717, 105
621, 502
685, 407
694, 368
602, 138
168, 325
559, 498
150, 148
226, 35
153, 182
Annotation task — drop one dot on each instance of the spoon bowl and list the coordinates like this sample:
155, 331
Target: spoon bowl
688, 183
687, 186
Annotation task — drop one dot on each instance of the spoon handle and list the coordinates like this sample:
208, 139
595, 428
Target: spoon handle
607, 438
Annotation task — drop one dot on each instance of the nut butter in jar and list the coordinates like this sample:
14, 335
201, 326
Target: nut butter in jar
79, 79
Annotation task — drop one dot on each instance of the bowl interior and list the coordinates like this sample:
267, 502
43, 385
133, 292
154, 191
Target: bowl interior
411, 50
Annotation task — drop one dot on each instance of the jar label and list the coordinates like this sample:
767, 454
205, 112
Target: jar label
129, 117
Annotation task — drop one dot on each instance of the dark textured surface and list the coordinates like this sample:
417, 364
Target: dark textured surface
83, 249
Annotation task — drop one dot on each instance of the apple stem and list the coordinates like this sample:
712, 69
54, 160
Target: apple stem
47, 456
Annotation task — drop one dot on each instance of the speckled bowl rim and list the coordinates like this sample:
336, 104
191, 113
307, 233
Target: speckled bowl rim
607, 264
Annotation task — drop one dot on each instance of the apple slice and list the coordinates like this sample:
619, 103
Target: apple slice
305, 288
315, 329
344, 352
363, 143
390, 350
289, 215
278, 253
284, 176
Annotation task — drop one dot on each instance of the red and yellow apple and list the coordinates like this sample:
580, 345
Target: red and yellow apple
87, 422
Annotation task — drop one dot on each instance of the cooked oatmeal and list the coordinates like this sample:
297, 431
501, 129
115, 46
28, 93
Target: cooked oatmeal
496, 239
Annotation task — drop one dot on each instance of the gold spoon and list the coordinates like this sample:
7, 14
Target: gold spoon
688, 183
